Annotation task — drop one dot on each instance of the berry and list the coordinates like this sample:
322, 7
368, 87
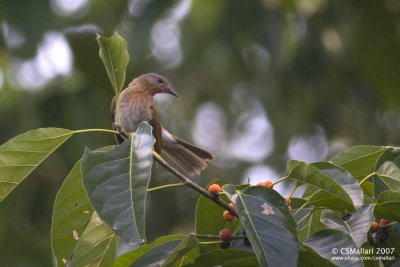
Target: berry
289, 207
374, 226
214, 189
228, 216
225, 234
267, 183
232, 205
225, 245
384, 222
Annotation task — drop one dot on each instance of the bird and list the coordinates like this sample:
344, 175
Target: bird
136, 105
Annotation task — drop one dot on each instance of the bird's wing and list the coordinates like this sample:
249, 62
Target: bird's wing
157, 129
118, 138
112, 109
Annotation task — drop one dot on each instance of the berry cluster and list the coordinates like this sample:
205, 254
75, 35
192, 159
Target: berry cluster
225, 235
378, 232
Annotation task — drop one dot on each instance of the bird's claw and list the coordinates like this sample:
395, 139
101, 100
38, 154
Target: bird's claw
121, 132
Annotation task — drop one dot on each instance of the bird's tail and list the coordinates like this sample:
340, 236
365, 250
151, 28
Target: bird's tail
190, 158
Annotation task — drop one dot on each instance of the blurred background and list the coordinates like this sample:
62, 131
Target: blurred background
260, 82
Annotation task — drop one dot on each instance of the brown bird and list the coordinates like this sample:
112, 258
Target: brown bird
136, 105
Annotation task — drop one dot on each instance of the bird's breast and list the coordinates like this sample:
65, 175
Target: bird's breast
132, 114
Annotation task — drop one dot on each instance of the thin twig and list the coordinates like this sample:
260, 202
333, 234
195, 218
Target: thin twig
187, 182
216, 237
164, 186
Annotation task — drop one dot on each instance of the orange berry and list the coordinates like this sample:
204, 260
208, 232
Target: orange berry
232, 205
228, 216
214, 189
374, 226
267, 183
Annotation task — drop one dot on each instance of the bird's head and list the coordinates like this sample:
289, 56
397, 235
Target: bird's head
154, 84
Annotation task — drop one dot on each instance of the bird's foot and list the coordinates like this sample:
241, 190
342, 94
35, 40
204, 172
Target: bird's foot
121, 132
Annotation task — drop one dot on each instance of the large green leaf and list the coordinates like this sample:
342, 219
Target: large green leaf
71, 213
114, 54
22, 154
356, 226
186, 252
333, 186
334, 245
309, 258
389, 175
359, 160
97, 245
387, 206
308, 222
155, 252
116, 180
220, 257
243, 262
269, 226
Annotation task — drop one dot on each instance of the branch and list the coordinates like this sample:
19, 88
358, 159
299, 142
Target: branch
216, 237
187, 182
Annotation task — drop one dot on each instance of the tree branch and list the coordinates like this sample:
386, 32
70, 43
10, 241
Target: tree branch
187, 182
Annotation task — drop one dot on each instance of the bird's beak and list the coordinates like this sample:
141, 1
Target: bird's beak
171, 92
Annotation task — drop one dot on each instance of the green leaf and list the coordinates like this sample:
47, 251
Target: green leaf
308, 222
153, 254
329, 244
243, 262
114, 54
116, 180
209, 218
269, 226
357, 226
220, 257
334, 187
387, 206
188, 245
22, 154
309, 258
97, 245
359, 160
71, 213
389, 174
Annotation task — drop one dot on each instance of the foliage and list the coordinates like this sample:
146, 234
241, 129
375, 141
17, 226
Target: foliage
328, 224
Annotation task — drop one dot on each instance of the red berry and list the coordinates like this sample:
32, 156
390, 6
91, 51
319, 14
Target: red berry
267, 183
232, 205
225, 234
384, 222
228, 216
214, 189
374, 226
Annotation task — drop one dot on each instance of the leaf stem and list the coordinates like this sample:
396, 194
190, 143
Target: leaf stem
366, 178
280, 180
211, 242
187, 182
165, 186
294, 190
94, 131
299, 209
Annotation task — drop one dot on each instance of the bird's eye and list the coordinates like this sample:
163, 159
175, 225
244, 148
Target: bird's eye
160, 80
